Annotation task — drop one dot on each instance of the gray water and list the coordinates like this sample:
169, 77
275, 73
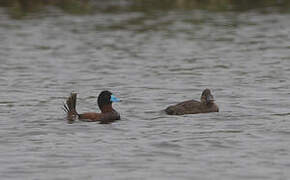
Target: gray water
149, 60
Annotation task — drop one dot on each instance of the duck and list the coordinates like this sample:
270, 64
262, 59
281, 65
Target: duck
105, 101
206, 105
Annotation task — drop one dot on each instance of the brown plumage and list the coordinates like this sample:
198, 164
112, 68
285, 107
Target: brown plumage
205, 105
105, 100
70, 107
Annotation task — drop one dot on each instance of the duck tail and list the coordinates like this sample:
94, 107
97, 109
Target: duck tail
169, 110
70, 106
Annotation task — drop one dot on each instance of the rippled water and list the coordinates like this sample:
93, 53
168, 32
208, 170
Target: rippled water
149, 60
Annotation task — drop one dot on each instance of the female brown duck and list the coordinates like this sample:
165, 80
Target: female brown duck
205, 105
105, 100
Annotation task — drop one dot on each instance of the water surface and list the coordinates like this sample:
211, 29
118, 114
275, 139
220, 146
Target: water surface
150, 60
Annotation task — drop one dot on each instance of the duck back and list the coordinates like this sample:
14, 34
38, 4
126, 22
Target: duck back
190, 107
103, 118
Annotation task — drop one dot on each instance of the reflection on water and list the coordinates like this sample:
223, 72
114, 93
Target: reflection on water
22, 8
150, 60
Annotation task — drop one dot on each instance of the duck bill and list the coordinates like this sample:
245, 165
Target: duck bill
114, 99
209, 99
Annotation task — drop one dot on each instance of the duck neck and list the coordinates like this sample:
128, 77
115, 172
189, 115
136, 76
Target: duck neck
107, 108
203, 101
206, 103
209, 104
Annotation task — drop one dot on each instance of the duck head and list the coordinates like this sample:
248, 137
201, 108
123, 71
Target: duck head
105, 100
207, 97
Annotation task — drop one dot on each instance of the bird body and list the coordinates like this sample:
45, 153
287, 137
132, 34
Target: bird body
107, 114
206, 105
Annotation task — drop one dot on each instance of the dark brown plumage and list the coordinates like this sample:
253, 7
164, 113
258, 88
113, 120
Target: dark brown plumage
205, 105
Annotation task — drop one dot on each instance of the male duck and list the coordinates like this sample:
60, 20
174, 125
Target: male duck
205, 105
105, 100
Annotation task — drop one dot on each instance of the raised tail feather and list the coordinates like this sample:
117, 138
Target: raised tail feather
70, 106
